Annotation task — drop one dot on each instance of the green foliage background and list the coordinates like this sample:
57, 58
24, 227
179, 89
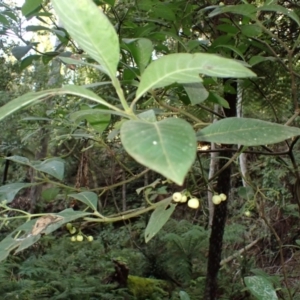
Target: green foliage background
174, 35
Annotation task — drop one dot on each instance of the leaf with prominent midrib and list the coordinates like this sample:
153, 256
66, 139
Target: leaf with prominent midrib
280, 10
186, 68
53, 166
260, 287
9, 191
159, 218
248, 10
167, 147
92, 30
22, 238
246, 131
32, 98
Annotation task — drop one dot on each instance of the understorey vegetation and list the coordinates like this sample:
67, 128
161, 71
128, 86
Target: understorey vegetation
149, 150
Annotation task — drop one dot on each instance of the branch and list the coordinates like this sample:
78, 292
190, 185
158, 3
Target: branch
240, 252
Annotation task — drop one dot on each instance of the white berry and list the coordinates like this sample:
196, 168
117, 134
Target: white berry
193, 203
216, 199
177, 197
223, 197
90, 238
183, 199
79, 238
72, 230
247, 213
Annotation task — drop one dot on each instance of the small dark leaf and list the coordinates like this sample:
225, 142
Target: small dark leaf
36, 28
31, 6
3, 20
215, 98
88, 198
27, 61
10, 14
20, 51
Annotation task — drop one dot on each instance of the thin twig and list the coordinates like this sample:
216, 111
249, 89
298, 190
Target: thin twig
240, 252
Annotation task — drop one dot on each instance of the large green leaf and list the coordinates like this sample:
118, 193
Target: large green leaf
185, 68
260, 288
9, 191
167, 147
159, 217
32, 98
21, 238
19, 159
91, 29
21, 102
246, 131
85, 93
30, 5
248, 10
53, 166
68, 215
281, 10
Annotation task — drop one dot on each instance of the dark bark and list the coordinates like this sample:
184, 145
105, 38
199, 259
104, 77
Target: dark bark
36, 190
220, 214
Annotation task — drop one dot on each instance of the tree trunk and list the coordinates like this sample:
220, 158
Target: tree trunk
220, 212
54, 81
239, 114
213, 168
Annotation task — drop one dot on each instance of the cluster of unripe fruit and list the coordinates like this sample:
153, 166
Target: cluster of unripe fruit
217, 199
79, 237
181, 198
194, 202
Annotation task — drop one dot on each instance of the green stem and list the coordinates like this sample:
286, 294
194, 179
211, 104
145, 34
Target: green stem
127, 216
120, 93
